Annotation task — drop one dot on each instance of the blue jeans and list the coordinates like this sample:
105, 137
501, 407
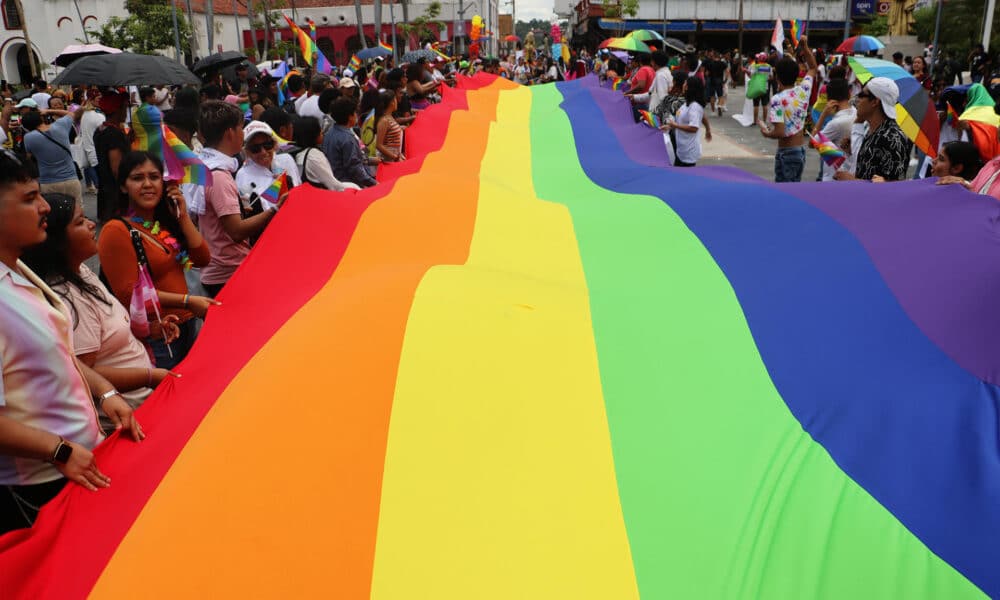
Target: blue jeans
179, 347
788, 164
90, 176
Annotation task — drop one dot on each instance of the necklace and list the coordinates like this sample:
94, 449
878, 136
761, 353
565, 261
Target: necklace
164, 236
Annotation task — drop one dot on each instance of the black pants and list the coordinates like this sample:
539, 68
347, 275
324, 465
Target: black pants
679, 163
19, 504
213, 289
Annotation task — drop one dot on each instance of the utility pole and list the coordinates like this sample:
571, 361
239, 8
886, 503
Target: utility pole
177, 31
739, 43
191, 24
937, 31
392, 19
987, 24
236, 24
27, 41
210, 25
847, 19
86, 36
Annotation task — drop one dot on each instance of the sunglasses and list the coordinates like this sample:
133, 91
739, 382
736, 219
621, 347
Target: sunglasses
255, 148
868, 95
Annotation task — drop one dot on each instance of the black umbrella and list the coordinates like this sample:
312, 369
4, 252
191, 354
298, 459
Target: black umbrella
415, 55
24, 94
218, 61
676, 44
252, 71
125, 69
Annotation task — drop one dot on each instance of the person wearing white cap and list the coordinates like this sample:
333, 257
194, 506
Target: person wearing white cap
885, 151
263, 163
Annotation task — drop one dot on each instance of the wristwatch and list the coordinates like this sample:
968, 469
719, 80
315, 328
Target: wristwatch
105, 396
62, 453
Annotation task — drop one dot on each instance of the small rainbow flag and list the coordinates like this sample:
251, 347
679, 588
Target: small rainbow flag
276, 190
796, 30
179, 158
355, 62
146, 123
384, 46
649, 119
951, 117
322, 63
828, 151
617, 83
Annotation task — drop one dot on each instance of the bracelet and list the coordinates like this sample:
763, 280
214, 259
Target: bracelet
105, 396
185, 300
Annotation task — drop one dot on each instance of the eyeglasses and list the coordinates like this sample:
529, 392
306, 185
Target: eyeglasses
255, 148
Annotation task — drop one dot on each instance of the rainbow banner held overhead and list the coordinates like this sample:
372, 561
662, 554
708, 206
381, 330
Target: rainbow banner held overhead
796, 29
572, 372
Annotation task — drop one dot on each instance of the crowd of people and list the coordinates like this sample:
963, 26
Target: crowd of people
77, 359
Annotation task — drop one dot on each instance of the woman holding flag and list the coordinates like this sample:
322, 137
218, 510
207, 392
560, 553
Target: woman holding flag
171, 245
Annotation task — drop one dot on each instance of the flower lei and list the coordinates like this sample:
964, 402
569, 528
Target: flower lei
164, 236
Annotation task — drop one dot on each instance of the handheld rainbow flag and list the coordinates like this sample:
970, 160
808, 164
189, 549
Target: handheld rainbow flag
796, 29
778, 38
649, 119
322, 63
384, 46
617, 83
305, 42
182, 163
146, 127
355, 62
951, 116
277, 189
828, 151
438, 52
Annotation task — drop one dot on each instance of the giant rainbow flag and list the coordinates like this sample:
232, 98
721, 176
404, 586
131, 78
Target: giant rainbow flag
571, 372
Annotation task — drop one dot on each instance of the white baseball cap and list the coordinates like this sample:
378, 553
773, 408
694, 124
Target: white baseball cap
256, 127
347, 82
887, 91
27, 103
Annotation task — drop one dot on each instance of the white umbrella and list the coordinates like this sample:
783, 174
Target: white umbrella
75, 51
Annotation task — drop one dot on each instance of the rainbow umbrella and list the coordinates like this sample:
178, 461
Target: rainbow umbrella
915, 112
511, 38
860, 43
608, 42
573, 372
645, 35
629, 44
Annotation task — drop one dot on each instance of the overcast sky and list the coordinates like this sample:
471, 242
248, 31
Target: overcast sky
532, 9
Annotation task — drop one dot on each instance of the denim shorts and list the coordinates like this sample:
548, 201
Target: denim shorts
788, 164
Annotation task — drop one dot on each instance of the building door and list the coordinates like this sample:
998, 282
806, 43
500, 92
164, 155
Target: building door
23, 66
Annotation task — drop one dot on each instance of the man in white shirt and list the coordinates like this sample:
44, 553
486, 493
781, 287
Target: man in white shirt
842, 116
48, 419
91, 120
41, 95
310, 106
663, 80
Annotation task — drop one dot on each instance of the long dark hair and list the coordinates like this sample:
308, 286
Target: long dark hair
695, 91
305, 132
966, 155
385, 99
50, 259
162, 213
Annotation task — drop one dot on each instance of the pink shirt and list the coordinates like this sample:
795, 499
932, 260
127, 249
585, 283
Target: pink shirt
982, 179
41, 385
221, 199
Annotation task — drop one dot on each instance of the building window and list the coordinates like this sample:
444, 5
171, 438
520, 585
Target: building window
11, 18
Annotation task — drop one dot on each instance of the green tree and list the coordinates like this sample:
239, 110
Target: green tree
961, 26
877, 26
521, 28
148, 28
424, 28
615, 9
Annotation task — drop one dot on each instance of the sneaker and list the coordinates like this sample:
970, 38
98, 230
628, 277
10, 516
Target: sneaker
91, 189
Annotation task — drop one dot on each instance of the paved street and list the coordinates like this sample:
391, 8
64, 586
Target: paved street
744, 147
